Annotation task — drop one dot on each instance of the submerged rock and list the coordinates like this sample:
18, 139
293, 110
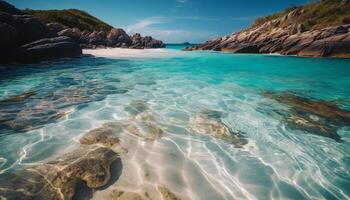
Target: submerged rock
208, 122
167, 194
59, 179
126, 195
18, 98
105, 135
311, 124
145, 130
318, 117
136, 107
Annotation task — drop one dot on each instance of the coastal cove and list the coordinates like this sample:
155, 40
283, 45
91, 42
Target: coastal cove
177, 125
149, 100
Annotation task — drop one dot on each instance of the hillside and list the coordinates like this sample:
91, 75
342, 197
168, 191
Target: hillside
320, 29
71, 18
313, 16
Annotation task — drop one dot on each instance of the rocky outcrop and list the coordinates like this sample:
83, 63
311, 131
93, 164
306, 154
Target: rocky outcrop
118, 38
24, 38
271, 37
139, 42
23, 35
48, 49
115, 38
55, 27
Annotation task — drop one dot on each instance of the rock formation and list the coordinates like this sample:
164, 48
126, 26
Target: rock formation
315, 116
115, 38
287, 35
23, 35
209, 122
59, 179
23, 38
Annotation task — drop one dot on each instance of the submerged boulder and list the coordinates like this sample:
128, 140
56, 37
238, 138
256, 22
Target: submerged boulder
105, 135
208, 122
314, 116
59, 179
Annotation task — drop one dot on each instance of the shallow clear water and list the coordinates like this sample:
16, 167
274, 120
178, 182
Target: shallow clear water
276, 163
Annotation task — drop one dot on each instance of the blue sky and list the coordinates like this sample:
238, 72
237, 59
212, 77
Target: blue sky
172, 21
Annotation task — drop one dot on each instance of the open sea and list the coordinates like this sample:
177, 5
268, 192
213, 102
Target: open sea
234, 126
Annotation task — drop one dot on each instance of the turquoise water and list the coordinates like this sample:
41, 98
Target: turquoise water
74, 96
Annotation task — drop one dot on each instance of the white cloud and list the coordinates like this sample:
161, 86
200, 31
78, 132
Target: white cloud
182, 1
145, 23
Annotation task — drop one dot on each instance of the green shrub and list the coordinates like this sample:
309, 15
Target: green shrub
71, 18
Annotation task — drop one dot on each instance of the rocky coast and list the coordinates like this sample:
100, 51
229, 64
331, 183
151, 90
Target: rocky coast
26, 39
291, 33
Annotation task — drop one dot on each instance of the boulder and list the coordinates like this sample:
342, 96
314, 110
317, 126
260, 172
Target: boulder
118, 38
314, 116
59, 179
56, 27
139, 42
104, 135
47, 49
209, 122
98, 38
8, 36
73, 33
136, 41
28, 28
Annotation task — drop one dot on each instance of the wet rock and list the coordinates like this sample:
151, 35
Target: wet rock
144, 116
167, 194
315, 116
145, 130
47, 49
324, 109
59, 179
136, 107
208, 122
105, 135
125, 195
18, 98
312, 124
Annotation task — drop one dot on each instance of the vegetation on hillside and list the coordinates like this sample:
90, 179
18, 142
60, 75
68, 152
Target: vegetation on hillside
316, 15
71, 18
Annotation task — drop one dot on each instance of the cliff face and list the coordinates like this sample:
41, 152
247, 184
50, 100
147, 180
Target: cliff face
318, 29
